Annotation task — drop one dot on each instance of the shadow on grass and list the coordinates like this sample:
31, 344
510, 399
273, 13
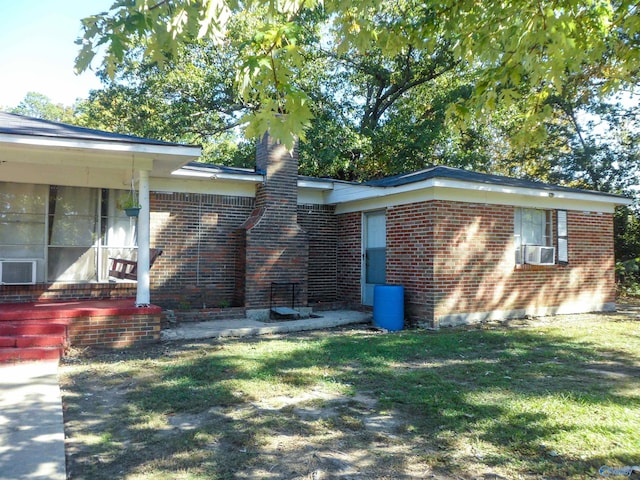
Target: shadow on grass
527, 401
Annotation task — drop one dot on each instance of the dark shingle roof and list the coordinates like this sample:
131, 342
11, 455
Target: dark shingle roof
13, 124
475, 177
415, 177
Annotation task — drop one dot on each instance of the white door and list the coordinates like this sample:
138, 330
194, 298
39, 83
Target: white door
374, 253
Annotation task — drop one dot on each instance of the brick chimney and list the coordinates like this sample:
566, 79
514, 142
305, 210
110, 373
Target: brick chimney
273, 248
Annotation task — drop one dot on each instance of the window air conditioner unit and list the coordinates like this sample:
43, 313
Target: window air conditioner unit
17, 272
539, 255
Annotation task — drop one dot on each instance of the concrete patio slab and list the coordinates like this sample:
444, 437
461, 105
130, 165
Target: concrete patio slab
247, 327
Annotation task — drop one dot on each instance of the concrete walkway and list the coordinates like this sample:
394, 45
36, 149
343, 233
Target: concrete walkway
31, 422
246, 327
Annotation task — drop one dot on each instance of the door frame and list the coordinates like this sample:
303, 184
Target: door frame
366, 289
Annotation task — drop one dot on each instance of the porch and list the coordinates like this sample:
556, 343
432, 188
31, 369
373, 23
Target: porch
43, 330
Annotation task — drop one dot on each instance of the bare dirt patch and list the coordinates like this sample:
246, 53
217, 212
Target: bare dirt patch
317, 434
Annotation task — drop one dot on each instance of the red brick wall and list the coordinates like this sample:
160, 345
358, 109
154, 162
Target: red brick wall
349, 251
115, 331
410, 254
320, 223
461, 261
63, 292
474, 260
197, 267
453, 258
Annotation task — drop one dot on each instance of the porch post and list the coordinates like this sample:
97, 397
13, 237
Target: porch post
143, 294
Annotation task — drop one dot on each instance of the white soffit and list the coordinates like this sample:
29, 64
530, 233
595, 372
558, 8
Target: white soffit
196, 179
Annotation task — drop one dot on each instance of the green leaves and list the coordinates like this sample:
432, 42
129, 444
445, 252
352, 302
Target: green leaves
526, 50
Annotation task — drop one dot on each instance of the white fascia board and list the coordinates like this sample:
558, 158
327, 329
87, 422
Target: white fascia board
188, 173
585, 195
588, 203
316, 185
344, 193
360, 198
253, 178
384, 201
312, 192
110, 146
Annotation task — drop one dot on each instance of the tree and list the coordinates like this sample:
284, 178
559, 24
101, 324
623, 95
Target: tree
354, 98
190, 100
601, 147
509, 43
40, 106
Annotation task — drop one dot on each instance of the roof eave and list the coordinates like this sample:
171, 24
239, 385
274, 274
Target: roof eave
347, 193
200, 174
101, 145
315, 185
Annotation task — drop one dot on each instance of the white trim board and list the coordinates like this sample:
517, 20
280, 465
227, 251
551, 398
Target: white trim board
109, 146
355, 201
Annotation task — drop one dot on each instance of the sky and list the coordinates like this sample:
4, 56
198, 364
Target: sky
37, 49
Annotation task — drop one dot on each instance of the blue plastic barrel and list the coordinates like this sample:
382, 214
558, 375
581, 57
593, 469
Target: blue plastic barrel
388, 307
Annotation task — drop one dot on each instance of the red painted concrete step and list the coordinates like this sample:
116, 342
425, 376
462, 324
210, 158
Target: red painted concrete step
9, 355
24, 341
31, 341
64, 312
29, 328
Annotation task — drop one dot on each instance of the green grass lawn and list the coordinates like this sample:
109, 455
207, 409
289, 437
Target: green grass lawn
557, 399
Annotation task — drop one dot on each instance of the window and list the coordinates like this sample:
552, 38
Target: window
22, 224
72, 234
563, 238
531, 227
69, 231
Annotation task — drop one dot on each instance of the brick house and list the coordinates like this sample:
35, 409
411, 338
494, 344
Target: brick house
465, 246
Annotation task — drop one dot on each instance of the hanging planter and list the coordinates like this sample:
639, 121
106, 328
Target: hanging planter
132, 211
130, 203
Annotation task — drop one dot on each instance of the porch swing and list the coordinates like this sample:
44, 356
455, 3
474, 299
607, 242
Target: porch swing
126, 269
